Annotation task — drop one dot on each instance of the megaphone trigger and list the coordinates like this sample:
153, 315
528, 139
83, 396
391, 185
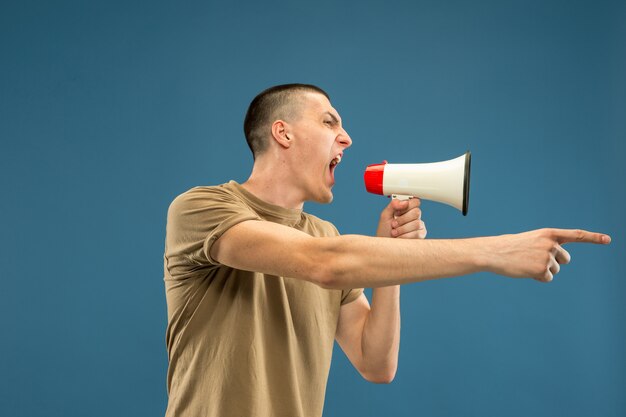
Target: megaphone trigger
401, 197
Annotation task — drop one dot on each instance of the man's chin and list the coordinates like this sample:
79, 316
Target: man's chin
325, 198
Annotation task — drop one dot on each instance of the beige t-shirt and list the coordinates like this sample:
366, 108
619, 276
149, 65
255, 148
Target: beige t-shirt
242, 343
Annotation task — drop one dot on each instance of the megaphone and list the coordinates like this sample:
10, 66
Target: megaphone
446, 182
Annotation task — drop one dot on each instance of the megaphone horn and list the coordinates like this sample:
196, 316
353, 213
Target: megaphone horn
446, 182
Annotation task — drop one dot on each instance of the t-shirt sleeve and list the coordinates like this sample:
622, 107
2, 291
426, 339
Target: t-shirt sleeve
348, 296
196, 219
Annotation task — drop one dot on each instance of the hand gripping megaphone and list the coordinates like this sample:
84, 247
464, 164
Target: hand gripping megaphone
447, 182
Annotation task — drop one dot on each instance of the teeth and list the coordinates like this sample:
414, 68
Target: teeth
338, 158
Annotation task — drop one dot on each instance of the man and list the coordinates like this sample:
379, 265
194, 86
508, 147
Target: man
258, 290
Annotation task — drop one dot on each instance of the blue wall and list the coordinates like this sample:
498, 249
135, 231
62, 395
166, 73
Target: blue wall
110, 109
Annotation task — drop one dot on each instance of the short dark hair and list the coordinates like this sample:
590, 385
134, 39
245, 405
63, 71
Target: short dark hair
264, 110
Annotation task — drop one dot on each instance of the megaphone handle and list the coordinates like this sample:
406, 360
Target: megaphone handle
401, 198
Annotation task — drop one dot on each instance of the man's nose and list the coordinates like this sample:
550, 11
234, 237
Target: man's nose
344, 138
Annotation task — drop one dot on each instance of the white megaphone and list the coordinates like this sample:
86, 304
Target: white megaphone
447, 182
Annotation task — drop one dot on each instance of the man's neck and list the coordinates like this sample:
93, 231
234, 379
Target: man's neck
273, 186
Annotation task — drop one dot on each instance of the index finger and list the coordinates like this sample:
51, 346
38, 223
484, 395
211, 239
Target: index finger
582, 236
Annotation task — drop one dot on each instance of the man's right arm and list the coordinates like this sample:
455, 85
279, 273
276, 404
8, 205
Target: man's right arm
354, 261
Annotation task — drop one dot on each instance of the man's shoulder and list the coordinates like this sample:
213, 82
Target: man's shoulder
202, 192
203, 196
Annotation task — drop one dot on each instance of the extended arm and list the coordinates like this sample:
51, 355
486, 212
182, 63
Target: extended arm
354, 261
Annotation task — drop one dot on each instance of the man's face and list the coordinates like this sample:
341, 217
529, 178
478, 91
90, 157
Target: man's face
318, 139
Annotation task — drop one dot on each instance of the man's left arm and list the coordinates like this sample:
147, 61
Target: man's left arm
370, 335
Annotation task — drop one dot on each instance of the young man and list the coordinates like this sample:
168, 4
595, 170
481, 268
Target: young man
257, 290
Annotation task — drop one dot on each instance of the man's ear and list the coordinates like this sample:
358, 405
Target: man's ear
280, 133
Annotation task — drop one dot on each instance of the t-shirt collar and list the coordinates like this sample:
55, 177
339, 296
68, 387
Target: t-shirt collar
286, 216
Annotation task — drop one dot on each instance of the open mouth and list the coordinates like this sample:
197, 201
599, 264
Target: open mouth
335, 160
333, 164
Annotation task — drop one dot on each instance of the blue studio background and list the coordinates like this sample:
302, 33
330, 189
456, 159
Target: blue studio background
108, 110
